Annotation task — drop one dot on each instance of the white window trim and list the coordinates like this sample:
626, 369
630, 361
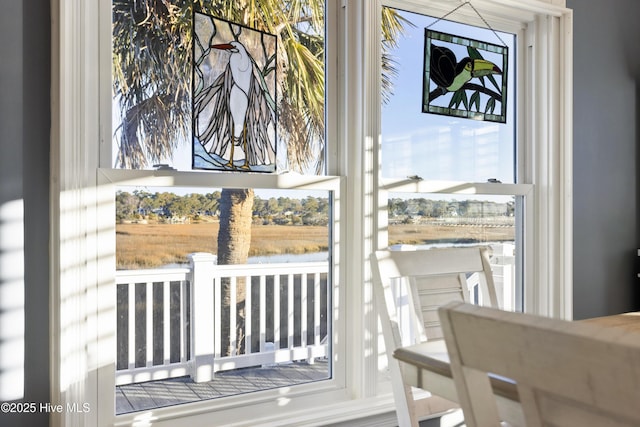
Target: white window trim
228, 410
545, 131
81, 356
83, 248
545, 147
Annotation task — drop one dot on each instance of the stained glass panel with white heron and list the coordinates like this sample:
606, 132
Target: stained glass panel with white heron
234, 93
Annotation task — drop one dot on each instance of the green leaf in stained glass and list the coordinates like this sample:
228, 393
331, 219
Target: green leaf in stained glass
455, 100
474, 53
491, 106
465, 100
475, 100
495, 83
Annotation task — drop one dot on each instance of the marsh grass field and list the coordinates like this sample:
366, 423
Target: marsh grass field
154, 245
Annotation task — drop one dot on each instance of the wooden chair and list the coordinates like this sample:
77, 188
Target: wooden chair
409, 288
567, 373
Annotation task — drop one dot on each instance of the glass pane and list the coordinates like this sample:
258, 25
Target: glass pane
430, 221
436, 146
156, 89
272, 299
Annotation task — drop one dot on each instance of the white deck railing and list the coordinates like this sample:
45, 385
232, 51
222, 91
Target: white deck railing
153, 326
170, 321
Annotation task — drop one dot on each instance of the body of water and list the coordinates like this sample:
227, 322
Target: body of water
324, 256
273, 259
308, 257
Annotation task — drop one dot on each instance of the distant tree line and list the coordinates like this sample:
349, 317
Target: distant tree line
161, 206
291, 211
432, 209
142, 204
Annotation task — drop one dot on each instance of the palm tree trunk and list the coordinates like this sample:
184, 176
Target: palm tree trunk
234, 240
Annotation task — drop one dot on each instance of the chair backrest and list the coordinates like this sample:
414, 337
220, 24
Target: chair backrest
411, 285
567, 373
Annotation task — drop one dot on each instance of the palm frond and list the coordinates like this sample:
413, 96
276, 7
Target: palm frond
393, 27
150, 79
152, 71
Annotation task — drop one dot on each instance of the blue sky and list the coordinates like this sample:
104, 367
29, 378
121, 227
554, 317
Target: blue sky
428, 145
442, 147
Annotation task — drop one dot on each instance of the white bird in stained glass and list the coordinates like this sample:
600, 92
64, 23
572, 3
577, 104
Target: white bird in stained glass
239, 110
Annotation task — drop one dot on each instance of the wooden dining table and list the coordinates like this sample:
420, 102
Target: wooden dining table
626, 321
426, 365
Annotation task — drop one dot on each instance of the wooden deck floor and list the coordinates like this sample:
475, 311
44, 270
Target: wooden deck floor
157, 394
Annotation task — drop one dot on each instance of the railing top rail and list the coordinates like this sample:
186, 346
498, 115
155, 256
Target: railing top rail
314, 266
168, 274
156, 274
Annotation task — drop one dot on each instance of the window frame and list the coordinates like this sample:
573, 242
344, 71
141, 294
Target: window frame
82, 356
544, 150
330, 391
544, 135
226, 408
523, 188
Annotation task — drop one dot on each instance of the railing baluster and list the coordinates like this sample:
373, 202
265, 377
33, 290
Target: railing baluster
316, 309
233, 323
132, 324
248, 310
149, 324
276, 311
166, 322
290, 313
263, 312
183, 301
217, 319
304, 318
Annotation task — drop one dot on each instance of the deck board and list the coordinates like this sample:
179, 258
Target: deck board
161, 393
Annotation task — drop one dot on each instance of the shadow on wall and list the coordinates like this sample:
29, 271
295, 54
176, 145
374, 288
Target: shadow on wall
12, 312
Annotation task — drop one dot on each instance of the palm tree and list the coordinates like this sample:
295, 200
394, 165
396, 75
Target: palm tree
152, 87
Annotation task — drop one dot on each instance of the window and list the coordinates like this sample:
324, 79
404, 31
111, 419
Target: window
437, 146
442, 220
355, 177
278, 301
448, 146
173, 103
433, 173
226, 284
